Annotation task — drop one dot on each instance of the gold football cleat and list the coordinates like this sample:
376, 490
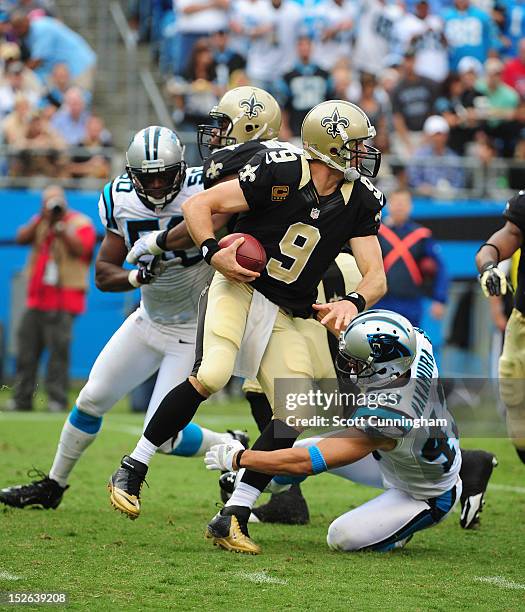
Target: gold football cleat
229, 530
124, 486
124, 502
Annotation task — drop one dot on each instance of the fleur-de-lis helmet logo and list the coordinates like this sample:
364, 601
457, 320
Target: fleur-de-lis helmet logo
252, 106
331, 123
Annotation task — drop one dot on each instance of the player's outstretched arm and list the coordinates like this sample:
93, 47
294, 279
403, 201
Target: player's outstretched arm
335, 451
369, 259
225, 198
109, 274
500, 246
338, 315
176, 239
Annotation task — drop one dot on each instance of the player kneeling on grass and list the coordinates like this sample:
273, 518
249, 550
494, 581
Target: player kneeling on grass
418, 463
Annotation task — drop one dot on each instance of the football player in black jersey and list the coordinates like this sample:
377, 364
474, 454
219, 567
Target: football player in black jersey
303, 208
500, 246
226, 144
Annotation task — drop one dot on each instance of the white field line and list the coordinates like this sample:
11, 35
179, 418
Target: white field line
8, 576
501, 582
261, 578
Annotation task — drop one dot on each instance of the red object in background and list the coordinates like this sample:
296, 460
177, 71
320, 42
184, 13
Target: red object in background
250, 255
428, 267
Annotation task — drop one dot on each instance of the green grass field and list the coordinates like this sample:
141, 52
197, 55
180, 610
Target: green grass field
162, 561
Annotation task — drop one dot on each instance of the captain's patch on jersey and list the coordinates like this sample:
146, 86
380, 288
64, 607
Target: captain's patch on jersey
280, 192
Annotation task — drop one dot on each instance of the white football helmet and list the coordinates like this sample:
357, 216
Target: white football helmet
155, 164
376, 348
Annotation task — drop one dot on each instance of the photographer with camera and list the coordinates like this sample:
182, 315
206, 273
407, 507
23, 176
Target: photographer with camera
62, 242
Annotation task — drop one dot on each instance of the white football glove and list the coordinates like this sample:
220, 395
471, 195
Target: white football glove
146, 245
493, 281
220, 456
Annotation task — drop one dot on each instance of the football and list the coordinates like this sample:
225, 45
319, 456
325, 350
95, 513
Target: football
250, 255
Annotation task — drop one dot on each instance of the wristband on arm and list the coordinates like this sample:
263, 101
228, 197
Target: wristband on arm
237, 461
208, 249
161, 240
317, 459
485, 244
357, 300
133, 278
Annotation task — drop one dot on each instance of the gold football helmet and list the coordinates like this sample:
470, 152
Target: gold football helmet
334, 132
242, 114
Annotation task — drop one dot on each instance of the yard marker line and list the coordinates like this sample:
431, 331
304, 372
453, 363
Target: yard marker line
510, 488
129, 429
502, 582
8, 576
261, 578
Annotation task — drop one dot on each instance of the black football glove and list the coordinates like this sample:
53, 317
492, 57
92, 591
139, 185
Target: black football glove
148, 269
493, 281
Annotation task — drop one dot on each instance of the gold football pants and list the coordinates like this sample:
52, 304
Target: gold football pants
512, 377
341, 278
222, 320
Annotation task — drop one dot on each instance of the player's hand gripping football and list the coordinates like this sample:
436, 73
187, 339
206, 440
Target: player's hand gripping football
146, 245
336, 316
493, 281
220, 456
225, 261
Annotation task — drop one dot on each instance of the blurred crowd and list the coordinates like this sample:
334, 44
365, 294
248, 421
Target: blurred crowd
438, 78
47, 123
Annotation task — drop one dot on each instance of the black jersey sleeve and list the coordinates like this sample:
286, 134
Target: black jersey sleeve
270, 176
227, 162
515, 210
370, 202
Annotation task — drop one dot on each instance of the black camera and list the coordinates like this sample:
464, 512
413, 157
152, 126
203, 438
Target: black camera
56, 206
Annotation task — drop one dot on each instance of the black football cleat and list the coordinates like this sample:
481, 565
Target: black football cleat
44, 493
125, 485
229, 530
288, 508
475, 473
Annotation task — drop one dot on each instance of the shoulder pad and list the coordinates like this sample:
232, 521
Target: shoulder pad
369, 194
515, 210
273, 166
228, 161
193, 178
109, 205
381, 417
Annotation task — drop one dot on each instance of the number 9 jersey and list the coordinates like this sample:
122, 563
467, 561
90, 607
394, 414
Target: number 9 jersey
172, 297
301, 231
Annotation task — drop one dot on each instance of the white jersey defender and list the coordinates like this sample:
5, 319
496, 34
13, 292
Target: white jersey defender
421, 472
171, 298
426, 459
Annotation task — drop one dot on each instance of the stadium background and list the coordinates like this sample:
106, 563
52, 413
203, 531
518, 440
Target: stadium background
162, 561
136, 45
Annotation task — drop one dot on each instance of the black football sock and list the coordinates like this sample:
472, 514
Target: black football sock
175, 411
261, 409
276, 435
521, 454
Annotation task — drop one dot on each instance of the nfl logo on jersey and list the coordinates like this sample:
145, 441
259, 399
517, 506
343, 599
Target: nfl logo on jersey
314, 213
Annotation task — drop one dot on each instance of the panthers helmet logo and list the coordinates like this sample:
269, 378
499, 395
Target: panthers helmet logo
333, 122
386, 347
252, 106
